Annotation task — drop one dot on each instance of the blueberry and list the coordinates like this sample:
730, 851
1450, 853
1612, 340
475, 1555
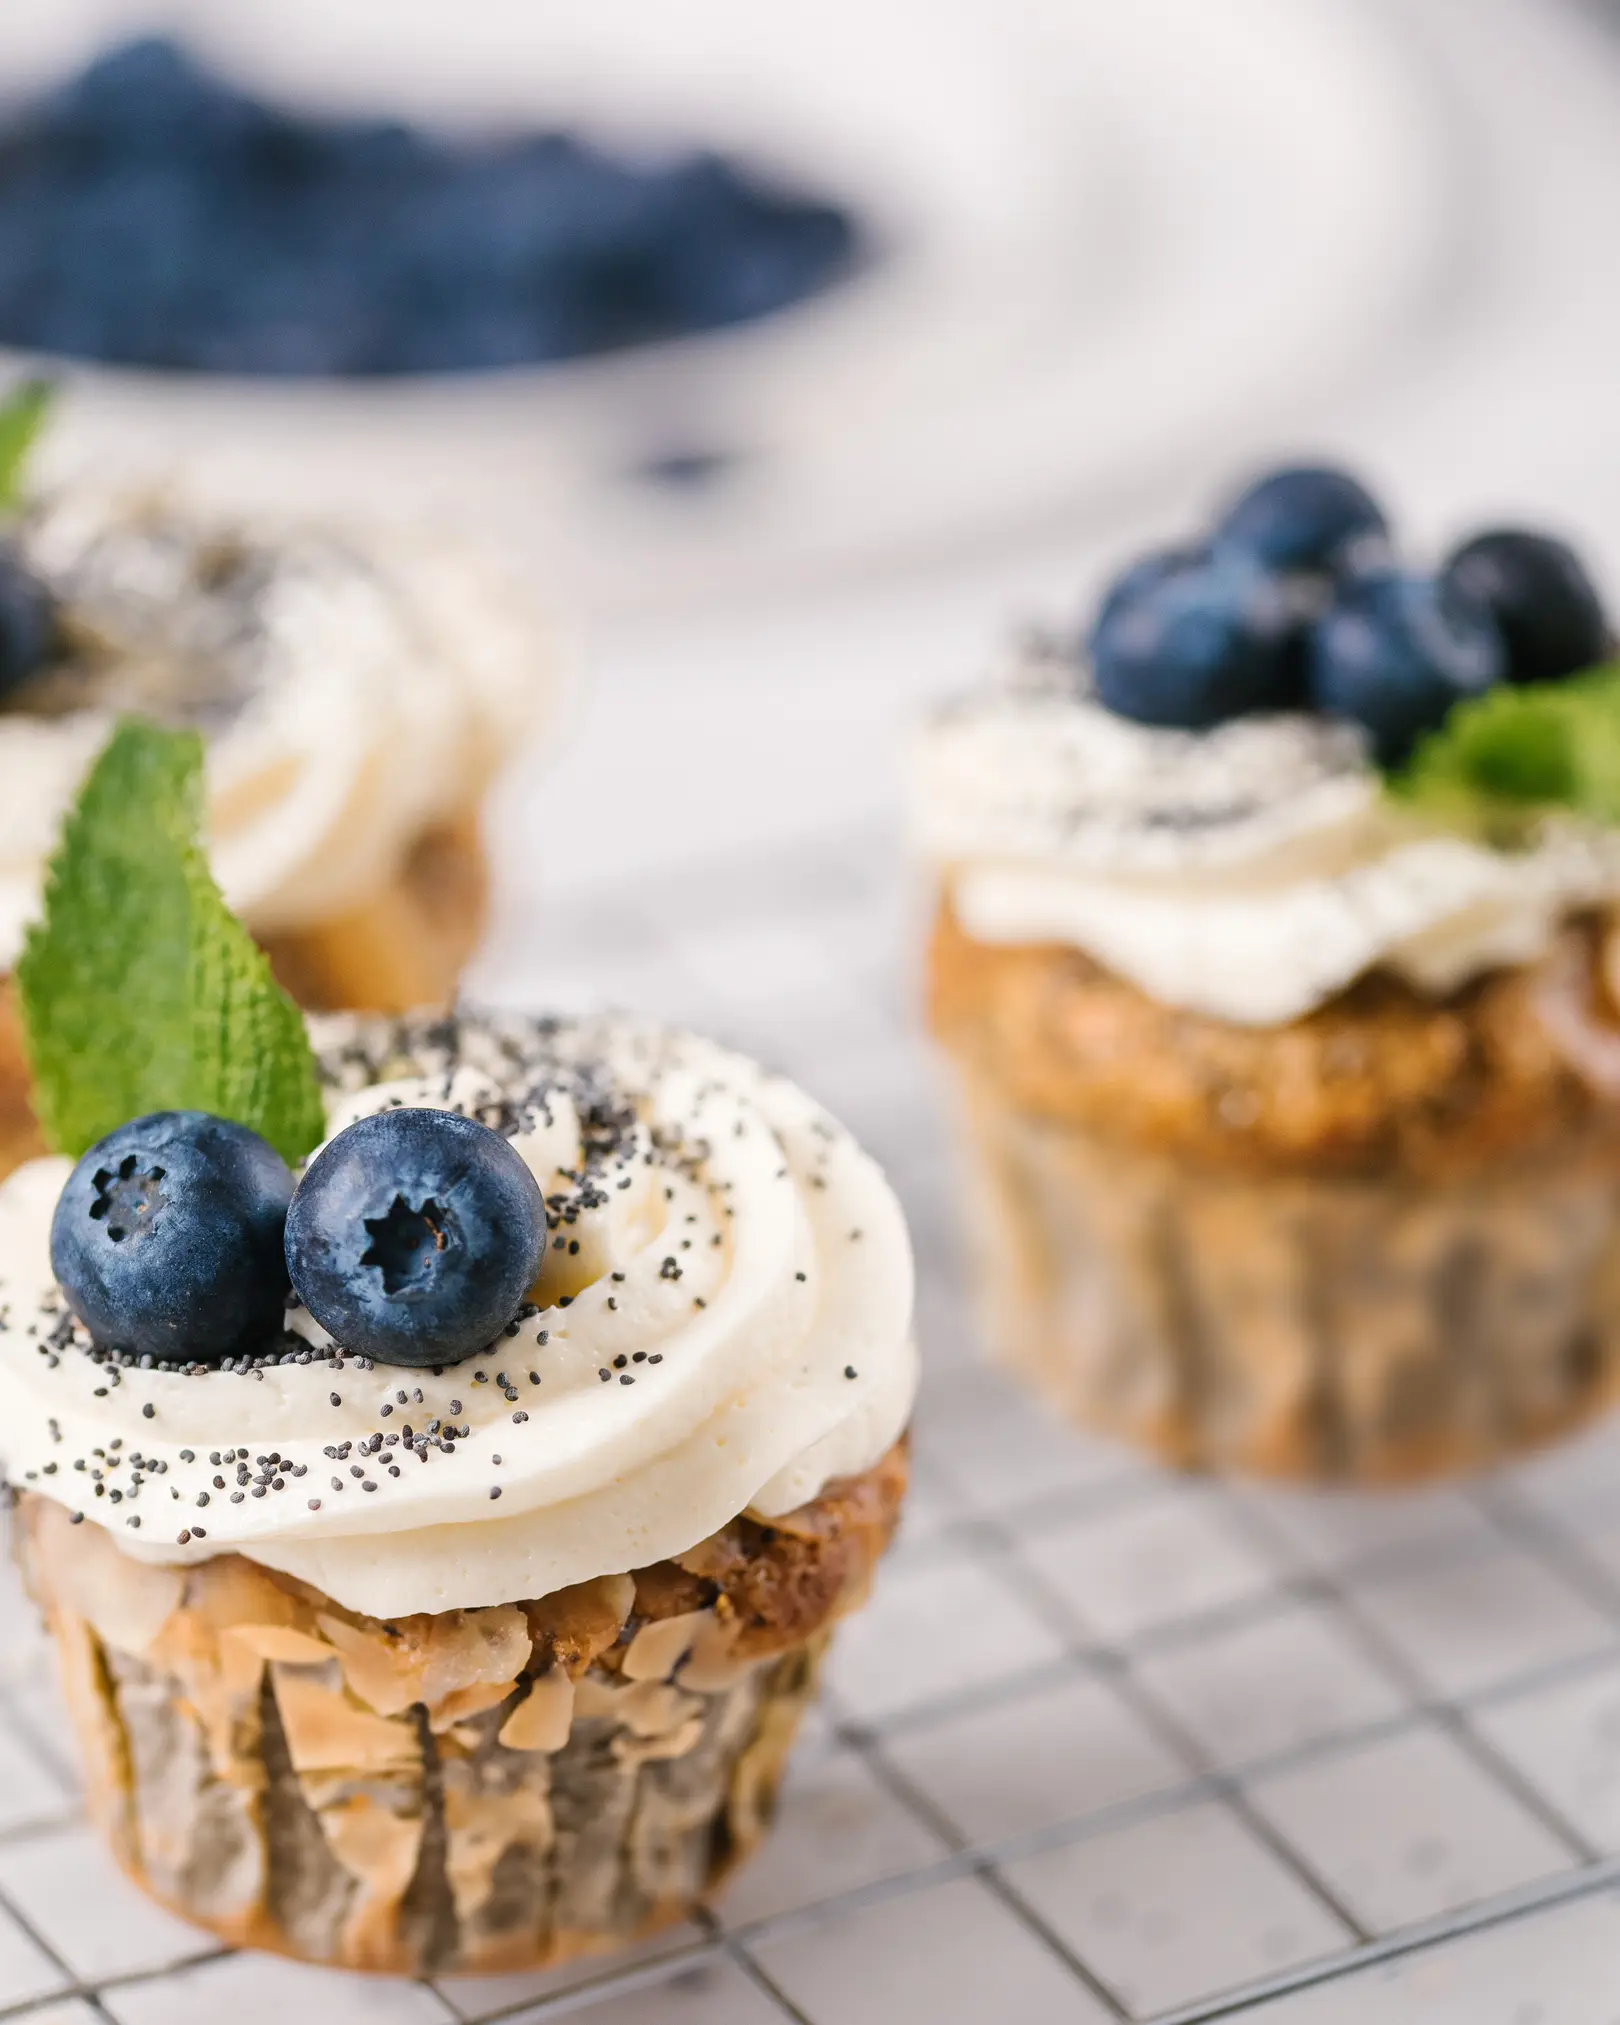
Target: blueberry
167, 1238
27, 621
149, 95
1301, 517
415, 1236
1396, 651
1194, 642
1141, 575
1543, 600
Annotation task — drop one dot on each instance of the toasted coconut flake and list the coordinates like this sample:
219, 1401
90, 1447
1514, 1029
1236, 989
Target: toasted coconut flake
658, 1649
655, 1709
543, 1719
281, 1642
125, 1601
630, 1749
715, 1663
468, 1701
231, 1591
713, 1559
327, 1733
384, 1673
473, 1648
645, 1708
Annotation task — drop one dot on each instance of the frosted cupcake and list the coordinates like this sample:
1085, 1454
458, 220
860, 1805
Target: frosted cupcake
451, 1604
1274, 956
357, 696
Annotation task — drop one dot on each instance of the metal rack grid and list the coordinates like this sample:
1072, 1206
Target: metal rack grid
1107, 1744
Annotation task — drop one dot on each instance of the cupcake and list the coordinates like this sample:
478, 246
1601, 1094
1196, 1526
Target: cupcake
1274, 959
356, 695
441, 1534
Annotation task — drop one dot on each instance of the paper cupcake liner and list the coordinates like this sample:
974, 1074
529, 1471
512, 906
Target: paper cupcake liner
1368, 1331
493, 1789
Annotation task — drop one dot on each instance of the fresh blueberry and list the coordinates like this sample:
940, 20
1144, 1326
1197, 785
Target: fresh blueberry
27, 621
1543, 600
167, 1239
1396, 651
415, 1236
1302, 517
1143, 574
1192, 642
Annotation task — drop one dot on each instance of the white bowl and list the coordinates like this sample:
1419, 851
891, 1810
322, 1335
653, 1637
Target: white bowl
1114, 232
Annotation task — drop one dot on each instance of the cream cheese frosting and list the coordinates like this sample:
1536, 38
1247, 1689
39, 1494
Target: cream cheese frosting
354, 692
1248, 873
724, 1325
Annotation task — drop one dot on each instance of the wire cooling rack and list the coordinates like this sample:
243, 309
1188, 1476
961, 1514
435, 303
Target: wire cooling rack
1106, 1745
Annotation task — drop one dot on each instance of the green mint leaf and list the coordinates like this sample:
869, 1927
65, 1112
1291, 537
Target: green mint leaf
23, 414
1519, 752
140, 990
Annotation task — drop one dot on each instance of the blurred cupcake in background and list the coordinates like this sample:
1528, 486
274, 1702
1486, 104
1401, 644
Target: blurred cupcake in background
357, 693
1276, 960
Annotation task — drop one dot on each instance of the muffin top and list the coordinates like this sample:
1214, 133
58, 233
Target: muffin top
1278, 762
720, 1322
355, 691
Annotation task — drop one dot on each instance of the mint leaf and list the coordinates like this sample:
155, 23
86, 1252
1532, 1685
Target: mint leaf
1518, 752
140, 990
22, 417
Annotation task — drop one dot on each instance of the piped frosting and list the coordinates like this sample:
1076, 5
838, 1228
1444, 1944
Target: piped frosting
1248, 873
724, 1324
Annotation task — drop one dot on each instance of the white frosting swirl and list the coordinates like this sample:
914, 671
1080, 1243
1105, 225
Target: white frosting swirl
1248, 873
353, 694
729, 1328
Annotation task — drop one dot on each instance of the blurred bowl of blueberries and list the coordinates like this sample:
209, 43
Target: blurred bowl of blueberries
525, 266
157, 214
680, 303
